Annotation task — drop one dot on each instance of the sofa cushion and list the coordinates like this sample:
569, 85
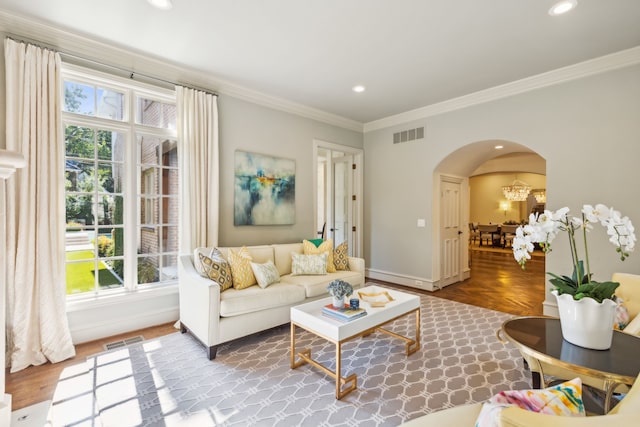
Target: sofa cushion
308, 264
266, 274
217, 269
326, 247
282, 256
259, 254
315, 286
235, 302
241, 268
341, 257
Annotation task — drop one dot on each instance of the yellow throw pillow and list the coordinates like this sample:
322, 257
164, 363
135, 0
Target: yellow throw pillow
308, 248
341, 257
241, 268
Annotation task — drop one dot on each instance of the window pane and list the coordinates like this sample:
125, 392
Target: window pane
148, 211
79, 98
169, 239
149, 240
107, 210
155, 113
169, 269
111, 146
78, 246
110, 104
148, 269
85, 177
149, 150
93, 101
112, 275
80, 277
170, 210
79, 142
79, 210
105, 244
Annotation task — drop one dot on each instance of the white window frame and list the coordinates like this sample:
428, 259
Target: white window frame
132, 186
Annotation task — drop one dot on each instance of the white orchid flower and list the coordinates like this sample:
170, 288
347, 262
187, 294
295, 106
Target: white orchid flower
543, 228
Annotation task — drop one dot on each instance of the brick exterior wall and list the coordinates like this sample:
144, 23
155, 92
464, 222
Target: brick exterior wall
159, 233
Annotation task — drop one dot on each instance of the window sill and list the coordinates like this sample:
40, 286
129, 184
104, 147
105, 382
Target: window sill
80, 303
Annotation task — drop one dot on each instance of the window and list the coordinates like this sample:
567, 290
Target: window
121, 168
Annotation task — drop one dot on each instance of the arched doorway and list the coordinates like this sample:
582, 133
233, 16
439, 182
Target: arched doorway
477, 164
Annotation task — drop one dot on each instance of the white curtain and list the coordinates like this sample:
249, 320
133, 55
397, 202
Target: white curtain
199, 168
37, 326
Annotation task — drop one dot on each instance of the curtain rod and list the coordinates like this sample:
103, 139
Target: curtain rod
131, 74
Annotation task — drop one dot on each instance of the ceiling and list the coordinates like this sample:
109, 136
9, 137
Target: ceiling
408, 53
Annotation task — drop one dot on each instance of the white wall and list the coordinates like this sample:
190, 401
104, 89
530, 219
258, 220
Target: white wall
250, 127
588, 130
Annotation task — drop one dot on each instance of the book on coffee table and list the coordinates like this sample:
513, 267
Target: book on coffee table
345, 313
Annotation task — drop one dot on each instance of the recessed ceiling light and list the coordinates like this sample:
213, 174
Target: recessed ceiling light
563, 6
358, 88
499, 147
161, 4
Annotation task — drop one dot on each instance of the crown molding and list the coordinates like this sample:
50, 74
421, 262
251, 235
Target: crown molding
103, 52
107, 53
598, 65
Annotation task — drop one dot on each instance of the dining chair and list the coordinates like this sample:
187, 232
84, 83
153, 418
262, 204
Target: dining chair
473, 232
487, 232
508, 233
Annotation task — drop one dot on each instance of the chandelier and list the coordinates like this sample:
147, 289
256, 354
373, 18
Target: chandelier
540, 194
518, 191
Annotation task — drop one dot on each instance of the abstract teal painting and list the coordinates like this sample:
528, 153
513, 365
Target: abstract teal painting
264, 190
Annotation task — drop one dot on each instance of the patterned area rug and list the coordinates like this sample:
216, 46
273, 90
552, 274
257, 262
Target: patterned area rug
169, 381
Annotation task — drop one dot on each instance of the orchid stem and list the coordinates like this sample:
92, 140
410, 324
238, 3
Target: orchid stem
586, 249
574, 251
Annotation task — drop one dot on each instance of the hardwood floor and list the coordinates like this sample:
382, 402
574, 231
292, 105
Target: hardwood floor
497, 282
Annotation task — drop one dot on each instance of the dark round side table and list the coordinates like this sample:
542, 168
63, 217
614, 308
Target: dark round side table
540, 341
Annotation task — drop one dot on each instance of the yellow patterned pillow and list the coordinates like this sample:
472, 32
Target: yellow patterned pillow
241, 268
341, 257
308, 248
217, 269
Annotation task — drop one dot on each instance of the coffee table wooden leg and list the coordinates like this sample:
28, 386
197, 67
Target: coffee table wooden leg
304, 354
351, 380
411, 345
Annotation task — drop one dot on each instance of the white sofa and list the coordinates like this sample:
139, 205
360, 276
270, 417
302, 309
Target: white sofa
215, 317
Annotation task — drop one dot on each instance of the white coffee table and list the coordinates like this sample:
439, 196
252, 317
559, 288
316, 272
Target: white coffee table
309, 317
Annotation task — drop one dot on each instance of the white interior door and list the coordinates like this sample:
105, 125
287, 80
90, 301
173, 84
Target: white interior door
339, 174
342, 185
450, 231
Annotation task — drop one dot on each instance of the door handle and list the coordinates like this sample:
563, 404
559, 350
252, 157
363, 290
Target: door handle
459, 232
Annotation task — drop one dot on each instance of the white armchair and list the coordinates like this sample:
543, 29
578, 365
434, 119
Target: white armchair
626, 413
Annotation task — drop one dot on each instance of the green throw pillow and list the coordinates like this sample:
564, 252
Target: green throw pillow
316, 242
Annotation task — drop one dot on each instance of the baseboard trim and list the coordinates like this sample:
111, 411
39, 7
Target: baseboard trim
97, 330
550, 309
402, 279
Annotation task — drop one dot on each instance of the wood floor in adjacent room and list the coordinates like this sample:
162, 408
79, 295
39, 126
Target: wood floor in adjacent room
497, 282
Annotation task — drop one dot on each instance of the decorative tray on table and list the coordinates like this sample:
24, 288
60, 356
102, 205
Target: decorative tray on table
376, 299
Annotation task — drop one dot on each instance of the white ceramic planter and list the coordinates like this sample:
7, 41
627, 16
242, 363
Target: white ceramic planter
586, 322
338, 302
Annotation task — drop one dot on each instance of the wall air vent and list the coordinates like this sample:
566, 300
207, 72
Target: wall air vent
408, 135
